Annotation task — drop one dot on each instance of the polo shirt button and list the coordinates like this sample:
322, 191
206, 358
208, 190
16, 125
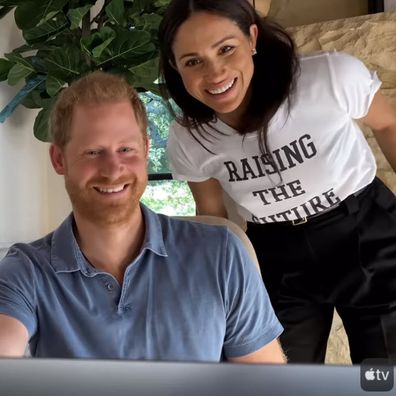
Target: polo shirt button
127, 308
109, 286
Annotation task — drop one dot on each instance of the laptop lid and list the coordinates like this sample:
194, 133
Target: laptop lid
39, 377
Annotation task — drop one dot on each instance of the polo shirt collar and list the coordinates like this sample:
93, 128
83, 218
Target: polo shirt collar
66, 255
154, 238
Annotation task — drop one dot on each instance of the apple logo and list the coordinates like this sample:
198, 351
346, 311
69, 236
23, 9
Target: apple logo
369, 374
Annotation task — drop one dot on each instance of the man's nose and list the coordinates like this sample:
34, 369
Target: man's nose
111, 166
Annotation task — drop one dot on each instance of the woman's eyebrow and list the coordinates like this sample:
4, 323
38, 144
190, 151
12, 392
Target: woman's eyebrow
216, 44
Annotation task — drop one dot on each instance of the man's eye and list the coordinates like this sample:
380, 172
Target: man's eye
192, 62
92, 153
225, 49
125, 149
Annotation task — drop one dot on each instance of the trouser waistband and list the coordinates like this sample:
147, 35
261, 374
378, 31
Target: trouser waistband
349, 202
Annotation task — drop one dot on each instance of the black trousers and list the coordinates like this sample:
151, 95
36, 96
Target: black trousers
343, 259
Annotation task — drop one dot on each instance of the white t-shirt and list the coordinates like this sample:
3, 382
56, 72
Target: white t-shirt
321, 153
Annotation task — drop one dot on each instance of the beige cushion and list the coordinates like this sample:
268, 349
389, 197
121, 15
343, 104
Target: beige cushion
262, 6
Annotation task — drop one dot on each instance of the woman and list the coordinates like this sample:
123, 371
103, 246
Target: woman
278, 134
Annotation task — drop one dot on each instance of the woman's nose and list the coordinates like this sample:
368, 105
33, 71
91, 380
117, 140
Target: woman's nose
215, 70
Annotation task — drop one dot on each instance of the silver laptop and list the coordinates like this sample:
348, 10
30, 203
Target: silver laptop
42, 377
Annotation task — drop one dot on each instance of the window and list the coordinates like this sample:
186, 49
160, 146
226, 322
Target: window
163, 194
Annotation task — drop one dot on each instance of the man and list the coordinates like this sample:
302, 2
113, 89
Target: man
116, 280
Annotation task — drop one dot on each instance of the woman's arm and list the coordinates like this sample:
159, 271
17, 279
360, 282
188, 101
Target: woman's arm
381, 118
208, 196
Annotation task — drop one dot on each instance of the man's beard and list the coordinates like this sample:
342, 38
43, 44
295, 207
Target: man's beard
88, 205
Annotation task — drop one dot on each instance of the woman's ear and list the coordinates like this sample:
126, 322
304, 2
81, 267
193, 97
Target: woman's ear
173, 65
57, 159
253, 33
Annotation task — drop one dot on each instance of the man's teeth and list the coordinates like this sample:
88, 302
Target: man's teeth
110, 190
222, 89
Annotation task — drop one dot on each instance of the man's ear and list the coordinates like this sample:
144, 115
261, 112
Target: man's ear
57, 159
147, 147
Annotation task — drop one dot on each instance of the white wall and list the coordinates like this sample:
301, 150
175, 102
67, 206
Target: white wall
32, 198
390, 5
302, 12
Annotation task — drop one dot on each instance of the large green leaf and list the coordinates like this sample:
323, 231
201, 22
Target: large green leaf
97, 51
30, 13
66, 63
5, 67
38, 62
46, 30
147, 22
139, 6
29, 102
116, 12
64, 38
17, 58
23, 48
96, 43
148, 83
76, 15
53, 85
35, 100
48, 17
127, 46
18, 72
146, 72
40, 127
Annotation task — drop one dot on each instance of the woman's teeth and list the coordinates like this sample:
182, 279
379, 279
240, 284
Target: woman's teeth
222, 89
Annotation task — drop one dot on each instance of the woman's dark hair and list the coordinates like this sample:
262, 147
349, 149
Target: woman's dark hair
275, 65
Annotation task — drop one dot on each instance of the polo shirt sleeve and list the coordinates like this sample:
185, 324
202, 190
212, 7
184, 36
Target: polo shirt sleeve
183, 151
354, 84
17, 292
250, 319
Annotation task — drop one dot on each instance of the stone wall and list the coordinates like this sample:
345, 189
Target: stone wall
371, 38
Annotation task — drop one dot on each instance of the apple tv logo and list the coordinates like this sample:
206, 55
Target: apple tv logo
376, 375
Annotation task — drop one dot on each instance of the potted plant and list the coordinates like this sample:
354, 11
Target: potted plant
65, 39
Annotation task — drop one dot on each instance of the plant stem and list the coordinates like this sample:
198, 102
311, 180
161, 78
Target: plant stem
101, 17
85, 32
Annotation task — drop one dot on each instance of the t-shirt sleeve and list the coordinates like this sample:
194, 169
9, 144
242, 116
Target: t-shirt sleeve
355, 85
182, 163
17, 296
251, 320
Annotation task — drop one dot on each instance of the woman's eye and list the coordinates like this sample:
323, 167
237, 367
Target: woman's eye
192, 62
225, 49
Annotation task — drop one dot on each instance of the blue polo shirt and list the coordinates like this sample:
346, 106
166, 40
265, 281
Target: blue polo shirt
192, 294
